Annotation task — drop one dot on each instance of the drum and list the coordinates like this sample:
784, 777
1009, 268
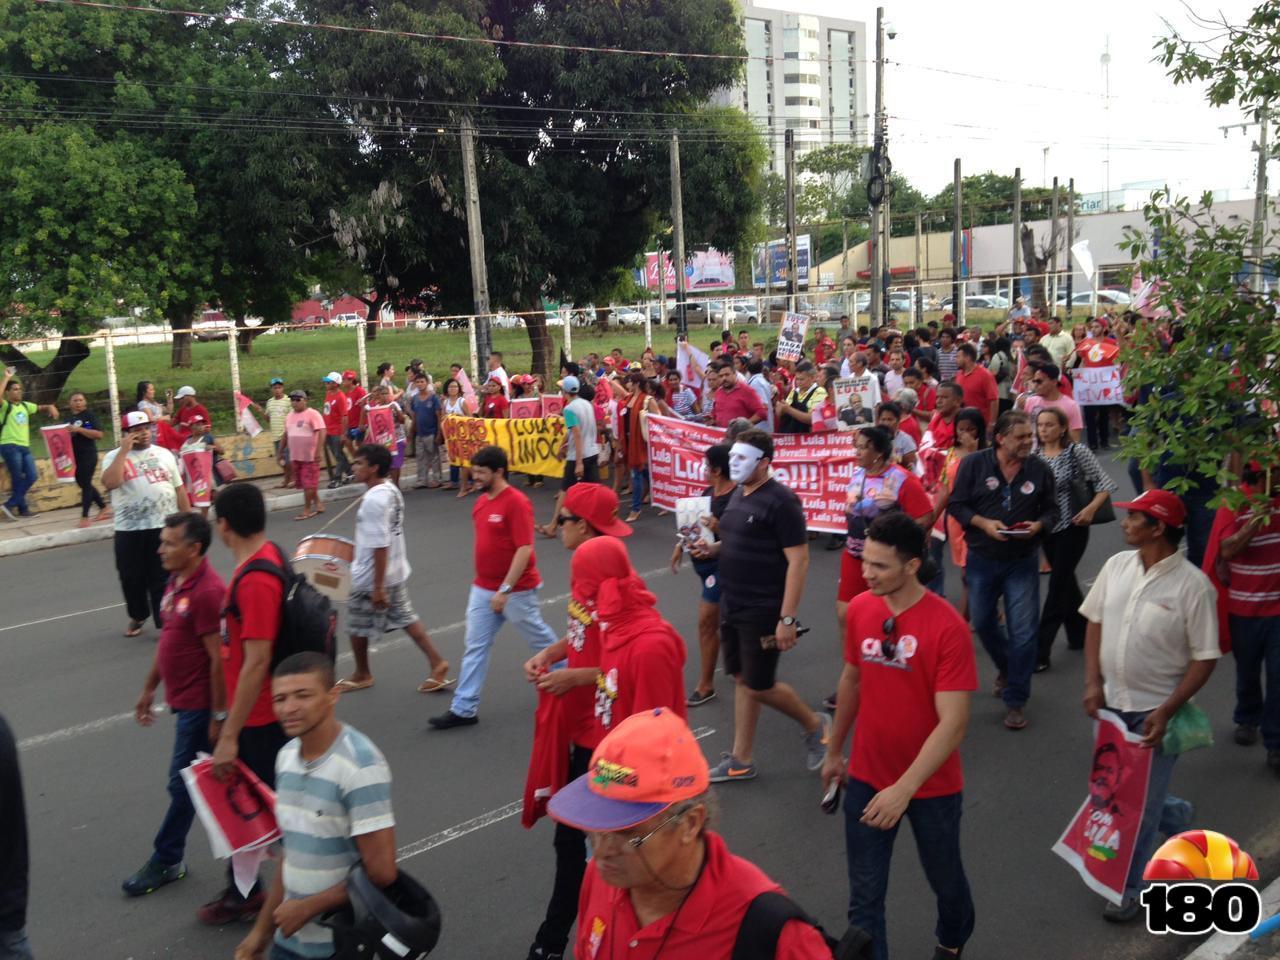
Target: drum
326, 562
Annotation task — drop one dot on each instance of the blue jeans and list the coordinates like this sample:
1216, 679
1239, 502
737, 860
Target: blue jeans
22, 473
639, 483
1012, 647
1163, 814
1255, 643
937, 552
523, 612
191, 736
1199, 525
14, 945
935, 823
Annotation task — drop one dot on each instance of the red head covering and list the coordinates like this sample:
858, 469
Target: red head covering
602, 578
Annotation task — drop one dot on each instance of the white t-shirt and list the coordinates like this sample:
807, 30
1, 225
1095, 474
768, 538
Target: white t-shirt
380, 523
579, 413
150, 489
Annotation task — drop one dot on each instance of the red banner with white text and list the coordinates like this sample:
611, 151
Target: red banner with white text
817, 466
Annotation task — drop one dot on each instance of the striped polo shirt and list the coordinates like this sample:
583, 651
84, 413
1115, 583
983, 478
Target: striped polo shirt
1254, 590
321, 807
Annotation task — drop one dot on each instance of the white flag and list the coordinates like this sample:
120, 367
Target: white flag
1083, 258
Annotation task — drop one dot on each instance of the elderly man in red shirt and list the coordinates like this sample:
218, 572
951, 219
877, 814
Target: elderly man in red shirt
733, 399
661, 884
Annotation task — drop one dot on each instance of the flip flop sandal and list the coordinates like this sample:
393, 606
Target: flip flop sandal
432, 685
134, 629
350, 686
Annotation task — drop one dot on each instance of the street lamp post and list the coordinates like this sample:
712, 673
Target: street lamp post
879, 187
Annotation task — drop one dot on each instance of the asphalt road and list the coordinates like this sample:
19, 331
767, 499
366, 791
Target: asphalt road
95, 781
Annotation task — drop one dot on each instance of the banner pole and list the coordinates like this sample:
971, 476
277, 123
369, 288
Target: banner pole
113, 388
648, 324
362, 353
567, 313
235, 377
475, 357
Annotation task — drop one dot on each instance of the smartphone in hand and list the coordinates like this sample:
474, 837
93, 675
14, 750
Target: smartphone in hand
831, 799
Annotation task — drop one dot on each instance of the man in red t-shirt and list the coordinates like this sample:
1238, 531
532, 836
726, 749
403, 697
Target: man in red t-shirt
336, 410
644, 801
505, 588
734, 399
979, 386
908, 678
589, 512
252, 616
188, 661
187, 410
356, 395
942, 425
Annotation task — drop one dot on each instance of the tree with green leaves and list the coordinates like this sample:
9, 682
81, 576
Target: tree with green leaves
1214, 386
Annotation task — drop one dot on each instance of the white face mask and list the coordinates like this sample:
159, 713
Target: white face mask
743, 458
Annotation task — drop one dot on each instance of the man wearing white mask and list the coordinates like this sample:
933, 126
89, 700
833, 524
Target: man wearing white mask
763, 552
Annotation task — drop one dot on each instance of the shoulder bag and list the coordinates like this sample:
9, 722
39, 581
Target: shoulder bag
1083, 492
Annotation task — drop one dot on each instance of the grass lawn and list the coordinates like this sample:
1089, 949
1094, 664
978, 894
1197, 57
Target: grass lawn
303, 357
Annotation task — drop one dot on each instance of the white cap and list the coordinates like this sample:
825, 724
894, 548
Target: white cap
184, 392
333, 376
136, 418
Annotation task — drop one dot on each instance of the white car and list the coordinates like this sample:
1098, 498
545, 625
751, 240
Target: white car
1109, 298
626, 316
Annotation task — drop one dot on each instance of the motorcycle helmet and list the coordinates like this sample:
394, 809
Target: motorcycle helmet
398, 922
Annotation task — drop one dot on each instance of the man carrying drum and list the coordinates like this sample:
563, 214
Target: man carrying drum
380, 575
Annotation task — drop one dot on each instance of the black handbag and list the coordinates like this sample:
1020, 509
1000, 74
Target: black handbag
1083, 492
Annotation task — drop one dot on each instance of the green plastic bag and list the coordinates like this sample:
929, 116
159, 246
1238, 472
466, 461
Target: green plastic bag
1189, 729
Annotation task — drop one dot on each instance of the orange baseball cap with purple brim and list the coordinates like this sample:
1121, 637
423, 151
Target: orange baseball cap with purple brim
649, 763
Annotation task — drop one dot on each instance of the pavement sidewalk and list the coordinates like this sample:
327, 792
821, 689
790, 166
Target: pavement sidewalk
59, 528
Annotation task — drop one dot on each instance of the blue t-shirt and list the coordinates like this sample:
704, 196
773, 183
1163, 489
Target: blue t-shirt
426, 414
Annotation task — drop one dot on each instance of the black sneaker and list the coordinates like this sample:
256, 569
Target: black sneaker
1246, 735
537, 952
697, 699
334, 484
448, 720
1124, 913
28, 513
152, 876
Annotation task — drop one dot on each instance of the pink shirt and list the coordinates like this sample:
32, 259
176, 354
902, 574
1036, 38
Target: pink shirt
1036, 403
300, 427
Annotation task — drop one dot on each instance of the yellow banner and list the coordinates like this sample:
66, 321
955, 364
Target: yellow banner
533, 444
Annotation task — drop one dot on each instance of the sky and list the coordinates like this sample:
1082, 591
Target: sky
1158, 131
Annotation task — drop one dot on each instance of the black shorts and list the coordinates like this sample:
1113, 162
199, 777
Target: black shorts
590, 472
740, 634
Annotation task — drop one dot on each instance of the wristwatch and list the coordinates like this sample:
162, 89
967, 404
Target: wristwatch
220, 716
789, 621
505, 588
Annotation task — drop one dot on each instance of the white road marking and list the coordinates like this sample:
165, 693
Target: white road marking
61, 616
460, 830
106, 723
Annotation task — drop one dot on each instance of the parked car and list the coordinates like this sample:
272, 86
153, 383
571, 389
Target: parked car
1109, 298
627, 316
979, 301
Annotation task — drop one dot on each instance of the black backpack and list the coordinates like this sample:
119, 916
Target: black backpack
308, 621
768, 913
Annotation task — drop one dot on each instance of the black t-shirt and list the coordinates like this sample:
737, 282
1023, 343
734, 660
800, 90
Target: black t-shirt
13, 836
754, 532
84, 447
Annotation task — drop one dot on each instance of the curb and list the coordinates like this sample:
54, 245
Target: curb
1222, 945
66, 538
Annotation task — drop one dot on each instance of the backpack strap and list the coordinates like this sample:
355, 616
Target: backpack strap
283, 573
762, 925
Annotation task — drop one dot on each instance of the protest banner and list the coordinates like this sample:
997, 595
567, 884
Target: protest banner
1097, 386
238, 813
58, 439
382, 426
526, 408
248, 422
197, 469
817, 466
791, 336
552, 404
1102, 836
533, 444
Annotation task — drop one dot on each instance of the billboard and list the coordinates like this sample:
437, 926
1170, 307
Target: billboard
704, 270
775, 263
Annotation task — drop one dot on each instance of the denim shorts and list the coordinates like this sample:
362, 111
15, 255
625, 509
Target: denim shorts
709, 574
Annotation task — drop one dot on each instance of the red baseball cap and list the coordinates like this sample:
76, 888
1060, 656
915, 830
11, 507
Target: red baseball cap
598, 505
648, 763
1040, 326
350, 375
1160, 504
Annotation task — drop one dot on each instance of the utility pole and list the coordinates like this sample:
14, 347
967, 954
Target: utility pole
957, 235
1054, 236
1014, 285
1260, 203
918, 306
475, 245
886, 284
1071, 242
677, 237
789, 144
877, 185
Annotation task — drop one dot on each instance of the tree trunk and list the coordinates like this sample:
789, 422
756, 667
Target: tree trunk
44, 384
245, 335
602, 319
375, 311
1035, 266
535, 322
181, 327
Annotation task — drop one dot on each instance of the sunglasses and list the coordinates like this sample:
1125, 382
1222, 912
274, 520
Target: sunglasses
889, 645
566, 518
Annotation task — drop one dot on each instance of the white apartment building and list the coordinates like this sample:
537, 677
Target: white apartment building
804, 73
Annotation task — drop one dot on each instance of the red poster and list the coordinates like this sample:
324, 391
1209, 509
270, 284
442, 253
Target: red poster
197, 469
58, 440
382, 426
552, 404
239, 813
817, 466
526, 408
1099, 842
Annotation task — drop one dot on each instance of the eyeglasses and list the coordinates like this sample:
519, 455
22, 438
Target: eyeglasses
889, 645
566, 518
635, 843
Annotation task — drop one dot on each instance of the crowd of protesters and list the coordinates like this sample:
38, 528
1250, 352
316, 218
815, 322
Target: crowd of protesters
969, 445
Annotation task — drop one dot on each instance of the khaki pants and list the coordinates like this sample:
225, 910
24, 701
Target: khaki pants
426, 453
